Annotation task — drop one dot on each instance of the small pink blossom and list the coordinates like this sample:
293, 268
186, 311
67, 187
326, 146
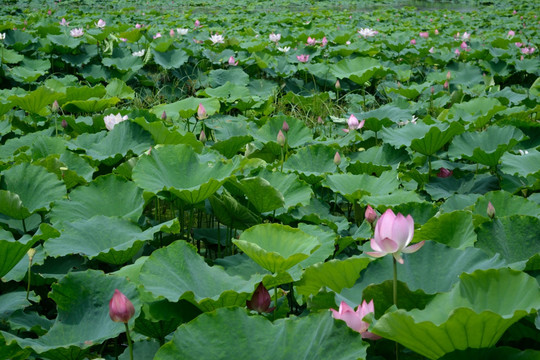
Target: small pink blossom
424, 34
353, 123
511, 34
232, 61
311, 41
197, 24
436, 32
444, 173
457, 52
464, 45
353, 319
138, 26
64, 22
157, 36
324, 41
172, 33
431, 50
303, 58
518, 44
413, 42
201, 112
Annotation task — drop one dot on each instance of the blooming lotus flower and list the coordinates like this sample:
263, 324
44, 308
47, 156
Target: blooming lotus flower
366, 32
217, 39
457, 52
64, 22
413, 42
353, 123
431, 50
78, 32
353, 319
370, 215
464, 45
232, 62
424, 34
139, 53
182, 31
201, 112
101, 23
511, 34
518, 44
157, 36
111, 120
260, 301
324, 41
466, 36
197, 24
120, 308
138, 26
444, 173
311, 41
392, 235
274, 37
303, 58
527, 50
284, 49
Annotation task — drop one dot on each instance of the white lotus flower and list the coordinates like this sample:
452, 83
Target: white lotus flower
284, 49
111, 120
139, 53
182, 31
366, 32
2, 36
101, 23
274, 37
77, 32
217, 39
466, 36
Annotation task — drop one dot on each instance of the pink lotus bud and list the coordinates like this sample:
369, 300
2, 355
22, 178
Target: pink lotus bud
491, 210
337, 159
320, 120
424, 34
370, 215
285, 126
120, 308
49, 12
197, 24
171, 33
463, 45
137, 26
511, 34
353, 319
436, 32
232, 62
281, 138
338, 84
163, 115
445, 85
201, 112
444, 173
260, 301
448, 75
55, 107
413, 42
324, 41
202, 137
64, 123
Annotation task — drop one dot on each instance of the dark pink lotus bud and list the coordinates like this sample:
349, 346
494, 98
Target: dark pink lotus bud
260, 301
64, 123
285, 127
164, 115
370, 215
444, 173
281, 138
120, 308
491, 210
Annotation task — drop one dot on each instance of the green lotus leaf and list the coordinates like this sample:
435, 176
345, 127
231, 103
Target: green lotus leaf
35, 187
326, 236
228, 92
465, 74
394, 199
437, 136
454, 229
376, 159
313, 161
276, 247
64, 40
171, 59
95, 73
458, 202
494, 353
12, 205
440, 188
316, 212
385, 115
37, 101
12, 251
13, 351
109, 239
83, 318
523, 165
474, 314
233, 75
90, 105
506, 204
29, 321
514, 237
354, 187
118, 88
183, 172
186, 107
261, 194
178, 272
231, 213
123, 61
334, 274
30, 70
11, 57
359, 69
107, 195
83, 93
485, 147
165, 135
298, 134
232, 145
13, 301
478, 111
295, 192
316, 336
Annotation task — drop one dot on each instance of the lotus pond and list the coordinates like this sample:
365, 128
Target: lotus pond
269, 180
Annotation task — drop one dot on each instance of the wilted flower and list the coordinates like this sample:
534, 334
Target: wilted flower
424, 34
77, 32
311, 41
284, 49
260, 301
353, 319
64, 22
111, 120
232, 62
303, 58
392, 235
201, 112
370, 215
280, 138
182, 31
337, 159
120, 308
274, 37
139, 53
444, 173
491, 210
101, 24
366, 32
217, 39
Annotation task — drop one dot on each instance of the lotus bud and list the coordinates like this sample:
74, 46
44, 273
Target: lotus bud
281, 138
201, 112
432, 90
370, 215
491, 210
55, 107
285, 127
448, 75
120, 308
337, 159
445, 85
64, 123
338, 85
444, 173
31, 252
202, 137
320, 120
260, 301
171, 33
164, 115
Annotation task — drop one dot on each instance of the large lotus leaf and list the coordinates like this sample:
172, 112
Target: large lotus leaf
89, 105
494, 353
385, 115
261, 194
478, 111
443, 264
21, 144
454, 229
313, 160
465, 74
35, 187
183, 172
30, 70
232, 145
118, 88
437, 136
514, 237
298, 135
165, 135
178, 272
171, 59
107, 195
359, 69
186, 107
334, 274
316, 336
376, 160
440, 188
295, 191
354, 187
125, 137
230, 212
64, 40
123, 63
474, 314
395, 198
506, 204
13, 351
233, 75
83, 93
12, 251
276, 247
37, 101
229, 92
109, 239
316, 212
485, 147
523, 165
12, 206
83, 320
327, 238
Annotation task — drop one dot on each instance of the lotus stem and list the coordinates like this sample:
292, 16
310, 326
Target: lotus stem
282, 158
24, 226
275, 300
429, 167
130, 344
219, 240
395, 282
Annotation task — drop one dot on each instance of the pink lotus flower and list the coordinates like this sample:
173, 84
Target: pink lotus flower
303, 58
120, 308
138, 26
157, 36
527, 50
457, 52
424, 34
260, 301
101, 23
511, 34
436, 32
197, 24
444, 173
518, 44
78, 32
432, 50
64, 22
464, 45
171, 33
274, 37
353, 123
311, 41
324, 41
201, 112
353, 319
232, 62
413, 42
392, 235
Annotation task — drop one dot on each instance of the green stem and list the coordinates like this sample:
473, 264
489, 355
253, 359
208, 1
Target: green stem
130, 344
219, 239
395, 298
282, 158
29, 278
275, 301
24, 226
429, 167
